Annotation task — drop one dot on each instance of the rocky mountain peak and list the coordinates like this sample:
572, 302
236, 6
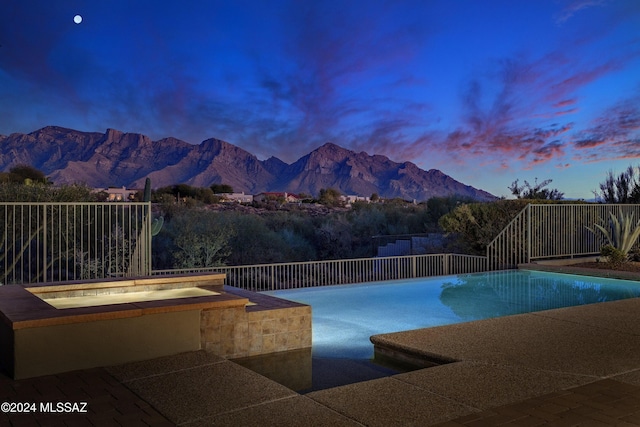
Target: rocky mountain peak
116, 158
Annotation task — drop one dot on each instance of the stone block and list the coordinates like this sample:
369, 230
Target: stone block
268, 326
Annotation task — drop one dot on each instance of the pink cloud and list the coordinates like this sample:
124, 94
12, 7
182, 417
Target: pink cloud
530, 146
614, 134
508, 114
565, 103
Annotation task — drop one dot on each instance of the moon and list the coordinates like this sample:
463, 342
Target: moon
77, 19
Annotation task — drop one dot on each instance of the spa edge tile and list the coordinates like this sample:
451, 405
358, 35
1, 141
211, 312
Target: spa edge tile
52, 319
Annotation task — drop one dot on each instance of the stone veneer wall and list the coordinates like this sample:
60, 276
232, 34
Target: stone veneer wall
238, 332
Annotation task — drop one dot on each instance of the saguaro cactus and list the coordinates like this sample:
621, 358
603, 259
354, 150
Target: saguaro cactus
156, 224
147, 190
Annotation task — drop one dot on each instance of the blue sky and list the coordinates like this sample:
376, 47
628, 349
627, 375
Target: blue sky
486, 91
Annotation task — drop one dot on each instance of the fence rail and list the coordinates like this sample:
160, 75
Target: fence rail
546, 231
345, 271
52, 242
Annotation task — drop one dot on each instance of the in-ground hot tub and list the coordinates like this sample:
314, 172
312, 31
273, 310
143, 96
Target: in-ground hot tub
48, 329
125, 297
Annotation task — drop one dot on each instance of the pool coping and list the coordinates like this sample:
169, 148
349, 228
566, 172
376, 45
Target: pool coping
582, 271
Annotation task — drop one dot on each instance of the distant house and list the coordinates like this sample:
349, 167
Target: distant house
352, 199
115, 194
236, 197
274, 196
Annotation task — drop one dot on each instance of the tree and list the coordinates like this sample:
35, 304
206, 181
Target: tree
477, 224
334, 238
188, 194
625, 188
28, 173
221, 188
40, 192
201, 238
268, 239
535, 192
330, 197
440, 206
24, 174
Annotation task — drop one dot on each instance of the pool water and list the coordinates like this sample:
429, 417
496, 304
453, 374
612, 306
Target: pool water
345, 316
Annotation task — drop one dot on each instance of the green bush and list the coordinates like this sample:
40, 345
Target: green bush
614, 256
193, 238
286, 233
40, 192
477, 224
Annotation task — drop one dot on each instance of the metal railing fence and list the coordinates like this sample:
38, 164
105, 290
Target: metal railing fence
53, 242
345, 271
547, 231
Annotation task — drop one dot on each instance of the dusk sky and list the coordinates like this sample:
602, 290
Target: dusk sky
486, 91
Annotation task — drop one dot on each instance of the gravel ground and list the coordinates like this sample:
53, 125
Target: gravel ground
627, 266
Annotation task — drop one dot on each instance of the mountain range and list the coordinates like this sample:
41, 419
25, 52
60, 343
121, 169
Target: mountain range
118, 159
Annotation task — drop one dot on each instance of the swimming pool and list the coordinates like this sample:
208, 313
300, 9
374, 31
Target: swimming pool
345, 316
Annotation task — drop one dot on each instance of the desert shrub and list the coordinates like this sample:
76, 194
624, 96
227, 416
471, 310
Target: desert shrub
437, 207
477, 224
183, 193
624, 188
330, 197
41, 192
193, 238
296, 234
614, 255
537, 191
256, 243
333, 238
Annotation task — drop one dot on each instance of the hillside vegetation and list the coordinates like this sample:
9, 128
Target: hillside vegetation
241, 235
201, 231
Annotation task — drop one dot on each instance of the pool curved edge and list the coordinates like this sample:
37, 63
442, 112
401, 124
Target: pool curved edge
387, 351
599, 340
583, 271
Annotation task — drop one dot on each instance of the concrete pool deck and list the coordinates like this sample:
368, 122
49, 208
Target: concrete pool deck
561, 367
